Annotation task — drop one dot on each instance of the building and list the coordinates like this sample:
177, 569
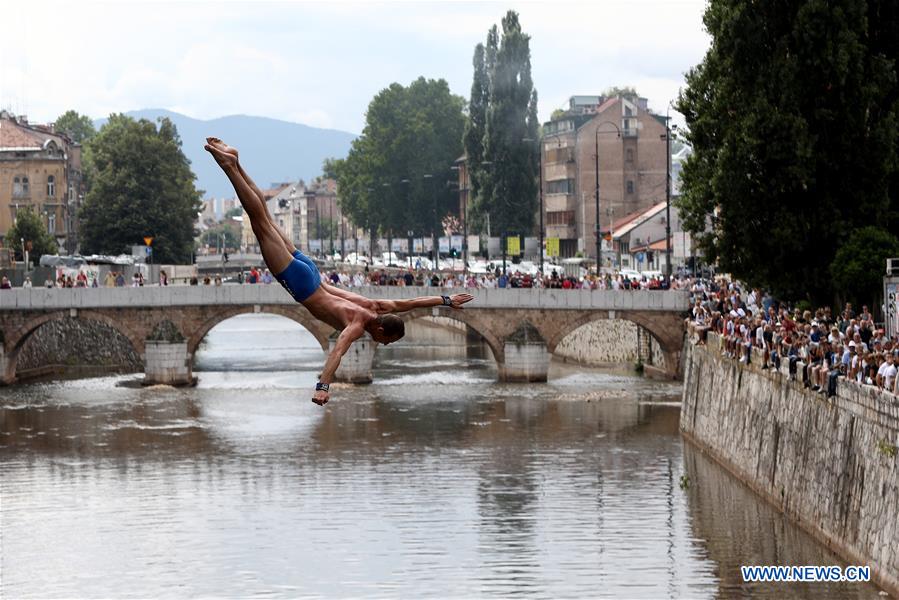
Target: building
326, 227
248, 241
40, 169
632, 165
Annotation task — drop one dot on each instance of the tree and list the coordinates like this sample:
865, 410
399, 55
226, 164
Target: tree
78, 127
792, 118
142, 185
30, 228
475, 128
508, 178
213, 236
237, 211
857, 269
329, 168
394, 178
616, 91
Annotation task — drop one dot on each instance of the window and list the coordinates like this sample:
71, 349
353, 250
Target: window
25, 190
560, 186
51, 186
630, 186
565, 217
629, 155
51, 223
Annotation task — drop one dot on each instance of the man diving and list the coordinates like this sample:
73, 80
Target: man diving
351, 314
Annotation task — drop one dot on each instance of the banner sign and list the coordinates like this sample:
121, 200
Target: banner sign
552, 246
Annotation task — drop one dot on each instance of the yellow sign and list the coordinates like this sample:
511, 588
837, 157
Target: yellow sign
148, 240
512, 246
552, 246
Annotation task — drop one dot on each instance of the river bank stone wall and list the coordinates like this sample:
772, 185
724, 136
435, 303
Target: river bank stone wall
75, 343
830, 464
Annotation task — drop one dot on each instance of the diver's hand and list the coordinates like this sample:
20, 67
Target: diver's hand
459, 299
321, 397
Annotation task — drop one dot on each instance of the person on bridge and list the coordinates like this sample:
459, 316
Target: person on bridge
352, 314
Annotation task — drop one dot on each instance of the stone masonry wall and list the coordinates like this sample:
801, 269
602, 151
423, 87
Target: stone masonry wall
78, 342
830, 464
605, 342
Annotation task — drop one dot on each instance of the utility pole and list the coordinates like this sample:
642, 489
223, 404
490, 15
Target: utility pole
668, 197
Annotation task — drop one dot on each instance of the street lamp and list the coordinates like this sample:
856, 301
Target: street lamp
435, 248
598, 230
667, 137
540, 192
463, 190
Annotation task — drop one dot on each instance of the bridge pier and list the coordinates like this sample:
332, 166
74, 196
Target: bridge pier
167, 363
7, 376
526, 357
355, 366
524, 362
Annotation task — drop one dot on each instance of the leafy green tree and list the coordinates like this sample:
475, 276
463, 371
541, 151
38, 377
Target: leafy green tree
234, 212
329, 168
30, 227
213, 236
792, 118
78, 127
858, 267
508, 179
394, 177
620, 91
142, 185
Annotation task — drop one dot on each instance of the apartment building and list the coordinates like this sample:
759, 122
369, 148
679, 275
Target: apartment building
40, 169
619, 139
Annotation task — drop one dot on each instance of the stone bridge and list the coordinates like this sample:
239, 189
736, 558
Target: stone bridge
165, 325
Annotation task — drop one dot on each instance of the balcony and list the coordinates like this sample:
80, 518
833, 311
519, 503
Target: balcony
559, 202
563, 232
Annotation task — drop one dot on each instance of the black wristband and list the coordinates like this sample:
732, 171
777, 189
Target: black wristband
322, 386
447, 301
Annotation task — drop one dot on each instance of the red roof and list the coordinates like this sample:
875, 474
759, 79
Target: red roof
13, 135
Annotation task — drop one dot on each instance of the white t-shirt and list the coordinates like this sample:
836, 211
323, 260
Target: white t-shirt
888, 375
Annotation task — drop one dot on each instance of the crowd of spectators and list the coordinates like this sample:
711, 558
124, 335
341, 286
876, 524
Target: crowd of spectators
819, 346
555, 279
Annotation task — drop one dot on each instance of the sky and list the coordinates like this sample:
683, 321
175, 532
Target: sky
321, 63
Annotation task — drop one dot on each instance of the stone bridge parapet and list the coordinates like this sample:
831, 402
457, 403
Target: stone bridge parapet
495, 314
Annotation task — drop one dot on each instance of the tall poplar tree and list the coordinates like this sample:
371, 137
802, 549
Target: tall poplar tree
507, 170
475, 125
792, 117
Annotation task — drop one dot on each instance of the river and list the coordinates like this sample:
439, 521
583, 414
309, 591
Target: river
435, 481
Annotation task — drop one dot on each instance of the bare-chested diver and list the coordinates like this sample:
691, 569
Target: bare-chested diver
352, 314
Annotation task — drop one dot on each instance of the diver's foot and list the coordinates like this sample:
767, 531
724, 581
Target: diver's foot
224, 159
214, 141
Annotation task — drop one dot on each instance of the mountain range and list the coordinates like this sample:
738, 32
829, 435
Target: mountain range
270, 150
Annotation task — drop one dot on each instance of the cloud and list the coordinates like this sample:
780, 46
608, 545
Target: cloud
321, 63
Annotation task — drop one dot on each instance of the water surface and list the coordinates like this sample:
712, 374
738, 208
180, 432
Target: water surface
435, 482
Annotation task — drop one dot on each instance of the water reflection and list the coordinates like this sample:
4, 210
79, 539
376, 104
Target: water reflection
433, 482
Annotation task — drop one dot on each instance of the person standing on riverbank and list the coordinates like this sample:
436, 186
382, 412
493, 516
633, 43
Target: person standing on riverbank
351, 314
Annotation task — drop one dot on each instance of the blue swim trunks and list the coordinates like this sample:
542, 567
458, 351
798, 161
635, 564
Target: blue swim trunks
300, 278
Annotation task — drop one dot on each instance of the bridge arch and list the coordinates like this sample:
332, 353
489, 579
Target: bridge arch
469, 318
17, 340
667, 330
319, 330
